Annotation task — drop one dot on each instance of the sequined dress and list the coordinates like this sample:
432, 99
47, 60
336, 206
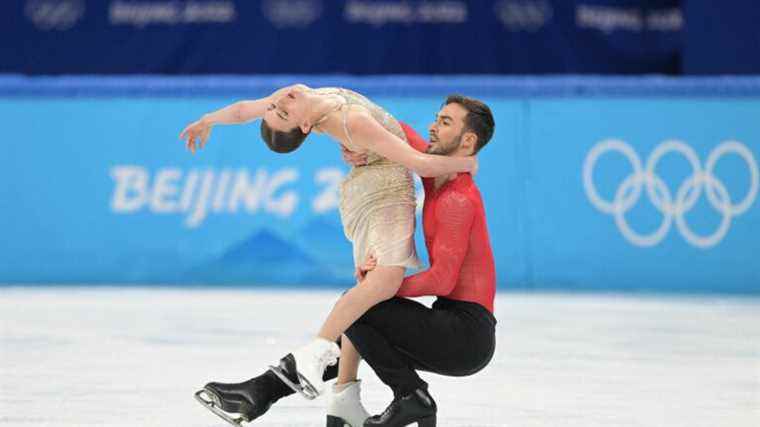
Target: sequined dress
377, 201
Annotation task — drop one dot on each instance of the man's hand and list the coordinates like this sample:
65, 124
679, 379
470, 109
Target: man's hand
353, 158
196, 131
362, 270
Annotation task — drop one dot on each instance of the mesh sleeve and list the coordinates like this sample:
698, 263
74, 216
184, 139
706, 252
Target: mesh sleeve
454, 217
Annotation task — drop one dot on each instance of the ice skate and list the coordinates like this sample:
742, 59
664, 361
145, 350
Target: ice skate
302, 370
241, 402
415, 407
213, 403
346, 409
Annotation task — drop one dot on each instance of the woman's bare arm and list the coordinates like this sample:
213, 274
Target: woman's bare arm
367, 133
236, 113
246, 111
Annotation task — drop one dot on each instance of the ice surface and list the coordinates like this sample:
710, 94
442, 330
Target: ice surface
134, 357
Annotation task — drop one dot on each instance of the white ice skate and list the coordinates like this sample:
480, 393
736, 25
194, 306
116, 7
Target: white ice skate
346, 409
302, 370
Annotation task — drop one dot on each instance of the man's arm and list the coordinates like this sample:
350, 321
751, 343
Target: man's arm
415, 140
454, 216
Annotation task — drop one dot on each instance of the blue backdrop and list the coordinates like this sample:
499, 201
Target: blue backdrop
586, 184
343, 36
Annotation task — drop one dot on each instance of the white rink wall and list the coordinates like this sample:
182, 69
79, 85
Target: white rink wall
134, 357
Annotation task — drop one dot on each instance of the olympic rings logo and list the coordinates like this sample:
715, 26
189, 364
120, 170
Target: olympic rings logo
687, 194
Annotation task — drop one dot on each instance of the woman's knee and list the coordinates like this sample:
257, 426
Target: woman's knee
384, 281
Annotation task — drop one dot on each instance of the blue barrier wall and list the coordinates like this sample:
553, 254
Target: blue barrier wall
613, 184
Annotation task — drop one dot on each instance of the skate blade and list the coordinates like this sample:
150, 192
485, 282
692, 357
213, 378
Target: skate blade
307, 390
211, 404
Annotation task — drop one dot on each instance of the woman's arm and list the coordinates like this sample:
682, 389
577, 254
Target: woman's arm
239, 112
236, 113
246, 111
367, 133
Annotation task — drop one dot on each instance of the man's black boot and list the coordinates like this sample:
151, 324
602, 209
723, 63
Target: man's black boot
409, 408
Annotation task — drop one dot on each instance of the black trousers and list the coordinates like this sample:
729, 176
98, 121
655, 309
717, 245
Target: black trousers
399, 337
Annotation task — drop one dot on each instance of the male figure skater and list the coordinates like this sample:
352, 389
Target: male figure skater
455, 337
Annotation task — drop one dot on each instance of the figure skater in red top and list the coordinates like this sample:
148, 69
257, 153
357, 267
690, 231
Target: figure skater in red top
455, 337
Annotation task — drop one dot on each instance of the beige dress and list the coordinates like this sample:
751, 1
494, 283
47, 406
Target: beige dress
377, 201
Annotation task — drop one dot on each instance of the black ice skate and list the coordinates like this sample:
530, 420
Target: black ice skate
241, 402
415, 407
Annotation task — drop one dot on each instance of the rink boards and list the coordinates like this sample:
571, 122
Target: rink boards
606, 184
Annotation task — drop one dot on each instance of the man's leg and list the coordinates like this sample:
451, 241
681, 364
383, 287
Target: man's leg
399, 335
393, 368
412, 403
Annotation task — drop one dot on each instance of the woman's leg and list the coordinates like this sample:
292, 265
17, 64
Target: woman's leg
380, 284
345, 403
310, 361
345, 406
348, 366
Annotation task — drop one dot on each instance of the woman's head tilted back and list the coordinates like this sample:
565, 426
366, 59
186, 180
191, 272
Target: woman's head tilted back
285, 124
282, 142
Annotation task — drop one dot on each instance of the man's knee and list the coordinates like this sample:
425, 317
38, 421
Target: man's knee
355, 333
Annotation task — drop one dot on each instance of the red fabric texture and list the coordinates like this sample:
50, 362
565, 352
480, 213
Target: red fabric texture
456, 236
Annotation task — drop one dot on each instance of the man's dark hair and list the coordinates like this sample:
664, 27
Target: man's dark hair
478, 120
282, 142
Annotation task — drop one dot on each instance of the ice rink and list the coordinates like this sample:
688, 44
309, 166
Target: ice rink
134, 357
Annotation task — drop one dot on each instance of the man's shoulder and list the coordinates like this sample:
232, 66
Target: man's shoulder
464, 182
458, 192
413, 138
465, 185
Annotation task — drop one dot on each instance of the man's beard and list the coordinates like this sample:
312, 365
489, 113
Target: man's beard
444, 150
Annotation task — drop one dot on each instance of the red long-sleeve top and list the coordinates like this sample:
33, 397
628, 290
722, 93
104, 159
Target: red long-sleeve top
456, 236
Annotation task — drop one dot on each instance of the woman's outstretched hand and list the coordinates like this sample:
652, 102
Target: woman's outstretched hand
196, 132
